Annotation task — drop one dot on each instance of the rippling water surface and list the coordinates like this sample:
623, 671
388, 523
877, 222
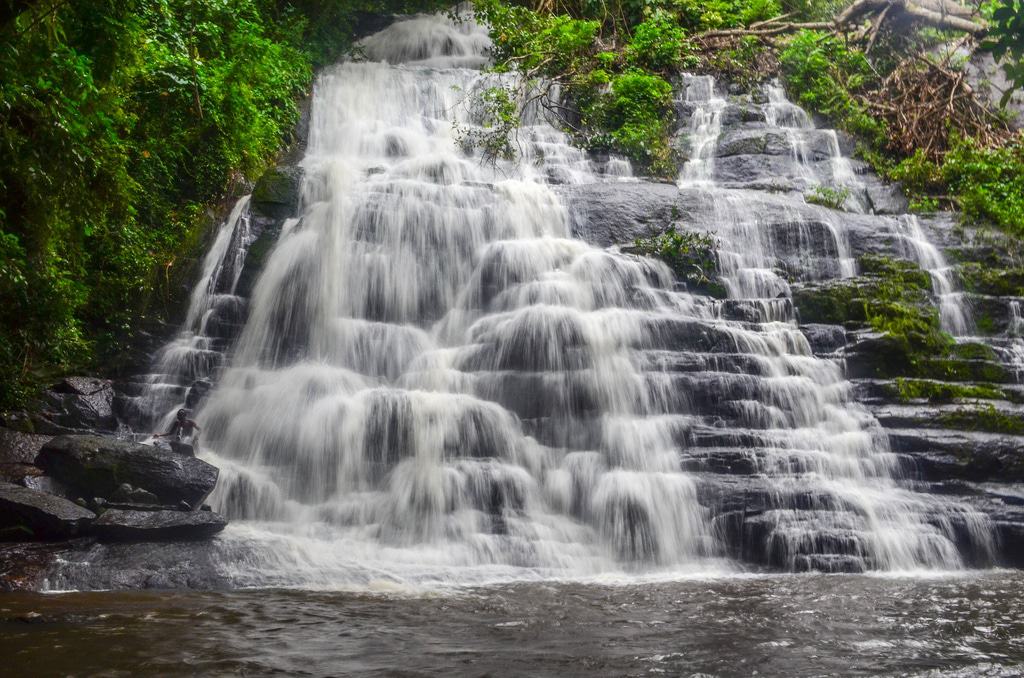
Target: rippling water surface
736, 626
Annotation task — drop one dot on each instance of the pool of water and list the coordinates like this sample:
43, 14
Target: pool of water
784, 625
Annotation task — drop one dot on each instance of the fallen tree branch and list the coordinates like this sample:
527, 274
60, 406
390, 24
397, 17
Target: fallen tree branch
940, 14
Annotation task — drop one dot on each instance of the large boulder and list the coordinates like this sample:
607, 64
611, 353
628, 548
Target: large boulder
97, 466
276, 194
77, 404
31, 514
127, 525
17, 452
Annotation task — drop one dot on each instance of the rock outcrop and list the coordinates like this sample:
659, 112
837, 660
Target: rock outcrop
77, 404
128, 525
98, 466
31, 514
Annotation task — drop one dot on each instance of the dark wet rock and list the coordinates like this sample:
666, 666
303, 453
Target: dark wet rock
942, 454
276, 194
77, 404
742, 170
86, 564
98, 466
872, 355
20, 474
993, 315
17, 447
747, 142
757, 310
824, 339
269, 230
817, 144
17, 452
197, 393
127, 526
740, 114
24, 566
134, 495
618, 213
30, 514
884, 198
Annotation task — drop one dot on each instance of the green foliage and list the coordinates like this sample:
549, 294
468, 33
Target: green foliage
833, 197
986, 418
692, 256
658, 43
620, 99
825, 75
497, 115
701, 15
1006, 39
637, 114
988, 182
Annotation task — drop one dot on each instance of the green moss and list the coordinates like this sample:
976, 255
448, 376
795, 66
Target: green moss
972, 351
992, 280
987, 419
936, 391
952, 369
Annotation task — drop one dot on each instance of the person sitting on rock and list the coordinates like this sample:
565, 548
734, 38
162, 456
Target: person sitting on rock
182, 428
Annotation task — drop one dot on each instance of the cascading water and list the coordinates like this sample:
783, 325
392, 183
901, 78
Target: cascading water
435, 382
432, 375
827, 467
797, 126
954, 314
184, 367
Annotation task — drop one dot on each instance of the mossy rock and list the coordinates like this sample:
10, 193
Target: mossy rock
276, 194
907, 389
992, 280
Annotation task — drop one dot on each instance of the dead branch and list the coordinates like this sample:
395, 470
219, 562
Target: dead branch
940, 14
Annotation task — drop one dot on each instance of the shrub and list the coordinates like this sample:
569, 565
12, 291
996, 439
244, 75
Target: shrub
825, 75
833, 197
692, 256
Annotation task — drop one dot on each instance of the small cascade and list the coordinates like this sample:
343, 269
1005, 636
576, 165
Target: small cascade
185, 368
1015, 330
748, 252
705, 127
838, 174
954, 312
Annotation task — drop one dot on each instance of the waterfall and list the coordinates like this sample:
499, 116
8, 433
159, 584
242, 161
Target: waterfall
954, 313
435, 382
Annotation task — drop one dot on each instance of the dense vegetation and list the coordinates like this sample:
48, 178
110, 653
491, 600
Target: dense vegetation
122, 122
